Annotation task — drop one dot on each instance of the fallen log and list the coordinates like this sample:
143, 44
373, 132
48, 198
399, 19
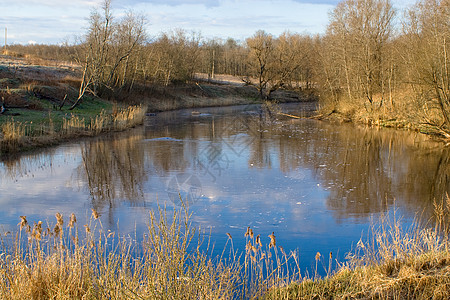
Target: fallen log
292, 116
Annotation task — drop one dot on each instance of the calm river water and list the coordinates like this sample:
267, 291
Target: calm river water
317, 186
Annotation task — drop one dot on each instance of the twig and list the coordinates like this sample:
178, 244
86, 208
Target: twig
64, 101
297, 117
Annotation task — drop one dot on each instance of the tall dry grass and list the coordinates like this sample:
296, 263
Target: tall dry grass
13, 134
392, 263
128, 117
63, 260
17, 134
73, 125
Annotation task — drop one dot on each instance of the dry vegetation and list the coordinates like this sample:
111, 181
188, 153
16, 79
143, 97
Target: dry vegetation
65, 262
68, 261
360, 69
370, 74
392, 263
22, 135
36, 101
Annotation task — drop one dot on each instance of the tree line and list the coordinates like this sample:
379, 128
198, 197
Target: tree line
369, 57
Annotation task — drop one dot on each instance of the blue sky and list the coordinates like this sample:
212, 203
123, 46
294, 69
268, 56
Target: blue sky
56, 21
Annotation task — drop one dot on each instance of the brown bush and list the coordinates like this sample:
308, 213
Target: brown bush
71, 81
16, 100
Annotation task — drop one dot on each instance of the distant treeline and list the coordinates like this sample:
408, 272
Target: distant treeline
371, 57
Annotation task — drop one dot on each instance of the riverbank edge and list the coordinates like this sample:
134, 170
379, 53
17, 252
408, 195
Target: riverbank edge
14, 139
158, 99
418, 277
377, 120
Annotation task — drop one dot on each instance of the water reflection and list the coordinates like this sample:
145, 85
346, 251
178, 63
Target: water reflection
114, 169
367, 170
13, 167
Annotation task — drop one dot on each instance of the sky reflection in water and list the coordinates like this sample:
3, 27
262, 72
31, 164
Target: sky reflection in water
316, 185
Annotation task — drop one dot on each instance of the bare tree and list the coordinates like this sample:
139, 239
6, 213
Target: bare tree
129, 34
358, 34
175, 57
272, 61
427, 36
107, 46
261, 59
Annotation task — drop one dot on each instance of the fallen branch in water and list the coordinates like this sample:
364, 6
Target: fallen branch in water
297, 117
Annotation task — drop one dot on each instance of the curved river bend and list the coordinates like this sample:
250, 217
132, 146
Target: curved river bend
317, 186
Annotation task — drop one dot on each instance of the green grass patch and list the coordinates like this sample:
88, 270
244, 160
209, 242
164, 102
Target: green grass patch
29, 128
38, 119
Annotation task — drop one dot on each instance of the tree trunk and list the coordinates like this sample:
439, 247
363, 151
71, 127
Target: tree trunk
442, 105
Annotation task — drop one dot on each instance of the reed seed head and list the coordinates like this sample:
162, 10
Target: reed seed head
57, 230
59, 219
95, 214
229, 236
247, 233
318, 255
73, 220
273, 241
258, 240
37, 231
23, 222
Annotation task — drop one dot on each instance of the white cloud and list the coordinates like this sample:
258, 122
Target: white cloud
239, 19
52, 21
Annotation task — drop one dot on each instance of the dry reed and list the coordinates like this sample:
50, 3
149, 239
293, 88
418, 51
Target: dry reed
73, 124
13, 135
17, 134
392, 263
128, 117
61, 262
55, 263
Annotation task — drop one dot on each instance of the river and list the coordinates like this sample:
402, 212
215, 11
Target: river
317, 186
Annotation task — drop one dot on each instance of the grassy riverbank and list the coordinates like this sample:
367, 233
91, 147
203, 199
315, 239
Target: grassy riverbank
20, 134
65, 259
36, 96
36, 99
403, 111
